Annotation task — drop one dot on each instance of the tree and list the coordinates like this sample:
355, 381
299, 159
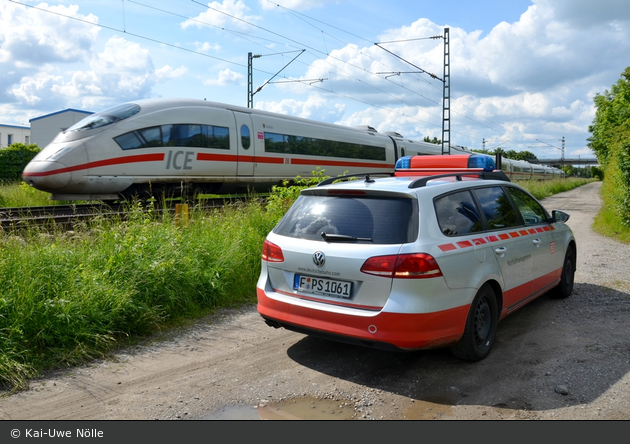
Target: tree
520, 155
611, 117
610, 141
434, 140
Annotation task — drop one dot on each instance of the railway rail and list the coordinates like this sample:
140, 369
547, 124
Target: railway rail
17, 218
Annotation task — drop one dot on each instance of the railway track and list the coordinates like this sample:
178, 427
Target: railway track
16, 218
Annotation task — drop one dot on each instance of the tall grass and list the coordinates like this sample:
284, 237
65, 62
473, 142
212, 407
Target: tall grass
19, 194
608, 223
69, 297
545, 188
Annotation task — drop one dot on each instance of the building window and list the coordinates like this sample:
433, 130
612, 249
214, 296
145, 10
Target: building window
9, 139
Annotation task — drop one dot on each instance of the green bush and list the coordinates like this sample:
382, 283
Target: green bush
13, 159
610, 141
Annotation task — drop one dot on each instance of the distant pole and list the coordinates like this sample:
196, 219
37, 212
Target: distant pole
446, 97
563, 148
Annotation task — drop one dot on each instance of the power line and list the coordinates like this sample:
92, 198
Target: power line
312, 50
125, 32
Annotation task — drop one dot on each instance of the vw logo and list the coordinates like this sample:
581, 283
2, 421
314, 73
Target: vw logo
319, 259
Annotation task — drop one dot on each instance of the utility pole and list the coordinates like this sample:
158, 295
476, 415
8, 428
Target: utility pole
250, 76
250, 79
446, 96
446, 86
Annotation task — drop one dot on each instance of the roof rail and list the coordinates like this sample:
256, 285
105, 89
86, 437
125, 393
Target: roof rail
349, 176
486, 175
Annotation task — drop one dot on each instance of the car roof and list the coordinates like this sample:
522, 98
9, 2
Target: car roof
400, 185
414, 173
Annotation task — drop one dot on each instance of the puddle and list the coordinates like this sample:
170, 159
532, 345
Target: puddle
293, 409
426, 411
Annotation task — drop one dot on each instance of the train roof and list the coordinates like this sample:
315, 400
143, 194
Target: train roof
156, 104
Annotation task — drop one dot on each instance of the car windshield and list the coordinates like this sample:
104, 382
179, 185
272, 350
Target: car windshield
351, 219
107, 117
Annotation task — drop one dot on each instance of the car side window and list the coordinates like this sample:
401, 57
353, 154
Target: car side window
496, 207
458, 214
531, 211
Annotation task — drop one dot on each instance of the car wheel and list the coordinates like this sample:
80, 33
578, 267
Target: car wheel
565, 287
481, 327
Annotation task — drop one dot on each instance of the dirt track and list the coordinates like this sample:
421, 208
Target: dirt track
554, 359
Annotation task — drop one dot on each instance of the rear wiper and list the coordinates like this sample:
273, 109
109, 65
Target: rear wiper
344, 238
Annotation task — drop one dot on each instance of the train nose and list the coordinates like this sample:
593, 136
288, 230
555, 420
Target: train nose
46, 175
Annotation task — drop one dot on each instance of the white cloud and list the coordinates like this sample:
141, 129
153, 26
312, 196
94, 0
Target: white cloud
226, 77
206, 47
166, 72
30, 37
315, 107
230, 12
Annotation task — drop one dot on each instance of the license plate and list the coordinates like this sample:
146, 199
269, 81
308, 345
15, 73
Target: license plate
325, 287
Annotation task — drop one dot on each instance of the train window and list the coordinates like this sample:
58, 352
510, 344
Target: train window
129, 141
107, 117
220, 137
245, 139
152, 136
286, 144
193, 135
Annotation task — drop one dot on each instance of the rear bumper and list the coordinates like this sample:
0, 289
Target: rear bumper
404, 331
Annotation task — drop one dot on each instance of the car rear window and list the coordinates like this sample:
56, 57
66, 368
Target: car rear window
381, 220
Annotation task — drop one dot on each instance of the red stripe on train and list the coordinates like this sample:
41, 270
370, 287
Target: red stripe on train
157, 157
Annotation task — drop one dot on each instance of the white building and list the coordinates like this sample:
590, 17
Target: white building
45, 128
10, 134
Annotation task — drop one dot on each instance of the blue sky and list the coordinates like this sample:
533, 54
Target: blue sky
523, 72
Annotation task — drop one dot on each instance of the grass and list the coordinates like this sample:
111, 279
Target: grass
20, 194
607, 223
70, 297
541, 189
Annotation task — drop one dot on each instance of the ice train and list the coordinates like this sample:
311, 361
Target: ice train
155, 146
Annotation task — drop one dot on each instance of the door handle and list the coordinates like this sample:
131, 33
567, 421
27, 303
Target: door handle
500, 251
536, 242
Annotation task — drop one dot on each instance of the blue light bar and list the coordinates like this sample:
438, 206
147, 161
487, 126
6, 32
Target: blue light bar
481, 161
404, 163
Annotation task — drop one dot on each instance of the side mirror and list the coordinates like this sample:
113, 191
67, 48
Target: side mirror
559, 216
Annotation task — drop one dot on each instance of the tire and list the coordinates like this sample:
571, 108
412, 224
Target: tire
565, 287
481, 327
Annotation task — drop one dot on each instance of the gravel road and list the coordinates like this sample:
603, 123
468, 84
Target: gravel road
553, 359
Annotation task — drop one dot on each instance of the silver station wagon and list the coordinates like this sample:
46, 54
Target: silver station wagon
432, 256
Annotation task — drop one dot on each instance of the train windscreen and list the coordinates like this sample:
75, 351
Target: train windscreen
107, 117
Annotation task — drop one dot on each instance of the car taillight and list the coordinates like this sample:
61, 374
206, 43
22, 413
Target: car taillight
403, 266
271, 252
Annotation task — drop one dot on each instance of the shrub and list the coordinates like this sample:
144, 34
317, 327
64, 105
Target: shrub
13, 159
